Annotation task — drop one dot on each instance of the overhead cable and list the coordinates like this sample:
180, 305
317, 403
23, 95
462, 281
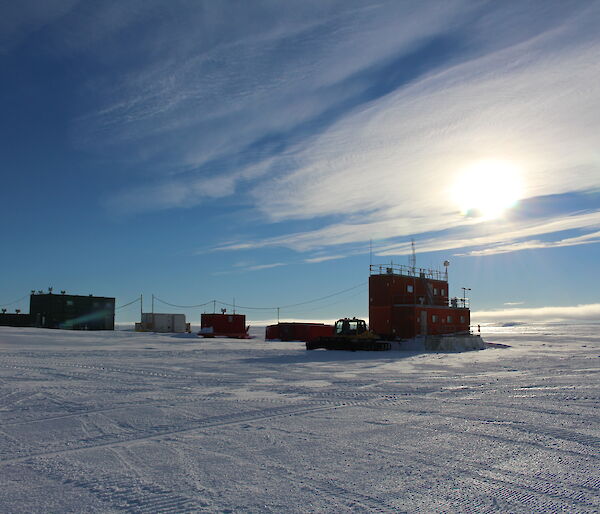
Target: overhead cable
186, 306
246, 307
127, 304
13, 302
330, 304
324, 297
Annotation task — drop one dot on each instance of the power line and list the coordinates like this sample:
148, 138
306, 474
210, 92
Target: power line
241, 307
13, 302
246, 307
324, 297
186, 306
127, 304
330, 304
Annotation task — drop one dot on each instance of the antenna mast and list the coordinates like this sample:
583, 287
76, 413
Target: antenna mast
412, 260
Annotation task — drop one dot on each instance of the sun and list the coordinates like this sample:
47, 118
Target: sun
487, 189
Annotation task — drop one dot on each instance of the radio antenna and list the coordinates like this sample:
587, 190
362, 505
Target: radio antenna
412, 260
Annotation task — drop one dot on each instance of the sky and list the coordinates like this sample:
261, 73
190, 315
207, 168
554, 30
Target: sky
264, 153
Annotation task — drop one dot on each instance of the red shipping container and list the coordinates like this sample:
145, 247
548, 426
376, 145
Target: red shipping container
298, 331
223, 325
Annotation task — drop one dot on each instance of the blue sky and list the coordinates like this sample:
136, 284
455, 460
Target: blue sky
252, 150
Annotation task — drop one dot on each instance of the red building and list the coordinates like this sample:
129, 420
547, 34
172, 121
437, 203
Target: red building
224, 325
405, 302
298, 331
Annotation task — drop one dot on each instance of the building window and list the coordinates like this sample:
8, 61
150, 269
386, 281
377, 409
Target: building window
435, 291
462, 319
409, 288
69, 303
449, 319
434, 318
443, 292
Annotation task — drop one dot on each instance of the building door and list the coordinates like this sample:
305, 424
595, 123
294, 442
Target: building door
424, 323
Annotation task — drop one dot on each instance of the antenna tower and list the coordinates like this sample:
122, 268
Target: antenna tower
412, 260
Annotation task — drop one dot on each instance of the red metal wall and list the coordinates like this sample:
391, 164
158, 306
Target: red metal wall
298, 331
394, 290
224, 324
272, 332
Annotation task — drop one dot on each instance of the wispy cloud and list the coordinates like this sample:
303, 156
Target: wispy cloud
592, 238
259, 79
265, 266
533, 102
356, 115
242, 267
495, 236
21, 19
413, 141
323, 258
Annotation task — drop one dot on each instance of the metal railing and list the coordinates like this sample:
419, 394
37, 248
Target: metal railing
460, 303
407, 271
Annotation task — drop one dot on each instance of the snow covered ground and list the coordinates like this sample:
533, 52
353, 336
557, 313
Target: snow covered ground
122, 421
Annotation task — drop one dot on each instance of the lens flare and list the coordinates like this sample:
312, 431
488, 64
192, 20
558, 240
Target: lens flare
487, 189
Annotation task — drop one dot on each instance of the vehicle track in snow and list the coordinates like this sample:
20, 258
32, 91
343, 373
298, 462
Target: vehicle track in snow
160, 431
96, 371
180, 403
539, 491
122, 492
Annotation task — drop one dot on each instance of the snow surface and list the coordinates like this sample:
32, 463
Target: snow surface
137, 422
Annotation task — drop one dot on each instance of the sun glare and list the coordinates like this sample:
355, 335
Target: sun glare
488, 188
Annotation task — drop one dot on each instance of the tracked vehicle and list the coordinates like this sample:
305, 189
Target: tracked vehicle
350, 334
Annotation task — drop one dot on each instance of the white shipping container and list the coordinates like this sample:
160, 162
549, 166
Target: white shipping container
160, 322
